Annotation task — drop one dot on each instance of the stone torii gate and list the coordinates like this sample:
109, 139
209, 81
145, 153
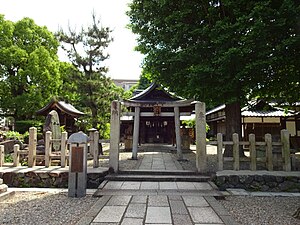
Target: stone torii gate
201, 157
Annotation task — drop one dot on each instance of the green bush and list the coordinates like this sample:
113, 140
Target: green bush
8, 158
13, 135
23, 125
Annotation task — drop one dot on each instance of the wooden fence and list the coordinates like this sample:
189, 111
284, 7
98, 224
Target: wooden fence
267, 146
50, 155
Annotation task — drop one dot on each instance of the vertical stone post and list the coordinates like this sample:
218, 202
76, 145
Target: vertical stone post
48, 148
1, 155
16, 158
32, 146
78, 165
63, 148
177, 132
220, 151
286, 154
201, 157
96, 150
235, 148
269, 154
252, 149
114, 136
91, 149
136, 131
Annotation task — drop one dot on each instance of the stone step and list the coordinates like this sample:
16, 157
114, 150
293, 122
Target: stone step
159, 172
102, 192
148, 177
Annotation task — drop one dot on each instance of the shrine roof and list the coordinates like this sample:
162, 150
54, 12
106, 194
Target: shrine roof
155, 93
62, 106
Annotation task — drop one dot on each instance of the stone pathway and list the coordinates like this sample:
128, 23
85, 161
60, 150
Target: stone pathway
157, 202
145, 203
159, 161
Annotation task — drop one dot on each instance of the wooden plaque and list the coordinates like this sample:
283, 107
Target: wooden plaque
77, 160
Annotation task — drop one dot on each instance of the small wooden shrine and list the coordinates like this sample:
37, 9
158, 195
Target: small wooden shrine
155, 113
67, 114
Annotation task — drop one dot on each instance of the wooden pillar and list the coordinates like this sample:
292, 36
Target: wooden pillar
201, 157
114, 136
63, 147
48, 148
235, 148
1, 155
177, 132
96, 150
136, 130
32, 146
16, 155
252, 149
269, 154
286, 153
220, 151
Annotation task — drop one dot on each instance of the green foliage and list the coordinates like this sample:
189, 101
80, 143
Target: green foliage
23, 126
128, 94
8, 158
192, 124
13, 135
94, 91
221, 51
29, 71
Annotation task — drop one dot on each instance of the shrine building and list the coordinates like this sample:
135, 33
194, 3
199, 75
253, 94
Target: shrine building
153, 116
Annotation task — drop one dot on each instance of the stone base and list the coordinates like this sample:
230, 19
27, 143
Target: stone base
47, 177
266, 181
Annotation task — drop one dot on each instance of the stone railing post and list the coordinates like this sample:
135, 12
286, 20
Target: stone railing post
177, 132
48, 148
235, 148
91, 137
269, 153
16, 158
96, 150
2, 155
78, 165
201, 157
32, 147
136, 132
286, 154
114, 136
252, 149
63, 148
220, 151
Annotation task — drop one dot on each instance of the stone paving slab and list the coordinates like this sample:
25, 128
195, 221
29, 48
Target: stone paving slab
110, 214
158, 215
136, 211
204, 215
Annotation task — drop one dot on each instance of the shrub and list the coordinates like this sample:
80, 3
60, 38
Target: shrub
23, 125
13, 135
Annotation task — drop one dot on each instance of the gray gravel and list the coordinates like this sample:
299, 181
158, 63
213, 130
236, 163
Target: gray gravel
262, 210
43, 208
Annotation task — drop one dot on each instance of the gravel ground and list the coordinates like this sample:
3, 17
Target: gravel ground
262, 210
43, 208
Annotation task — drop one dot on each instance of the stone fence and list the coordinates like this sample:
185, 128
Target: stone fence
62, 156
259, 152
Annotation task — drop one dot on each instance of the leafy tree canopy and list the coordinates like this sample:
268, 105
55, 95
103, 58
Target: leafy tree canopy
86, 50
29, 67
221, 51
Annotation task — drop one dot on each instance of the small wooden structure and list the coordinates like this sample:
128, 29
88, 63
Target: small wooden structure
154, 116
67, 114
258, 118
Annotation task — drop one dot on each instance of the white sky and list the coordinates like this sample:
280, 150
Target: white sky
124, 62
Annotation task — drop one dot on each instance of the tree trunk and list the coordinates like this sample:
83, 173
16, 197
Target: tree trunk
233, 125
